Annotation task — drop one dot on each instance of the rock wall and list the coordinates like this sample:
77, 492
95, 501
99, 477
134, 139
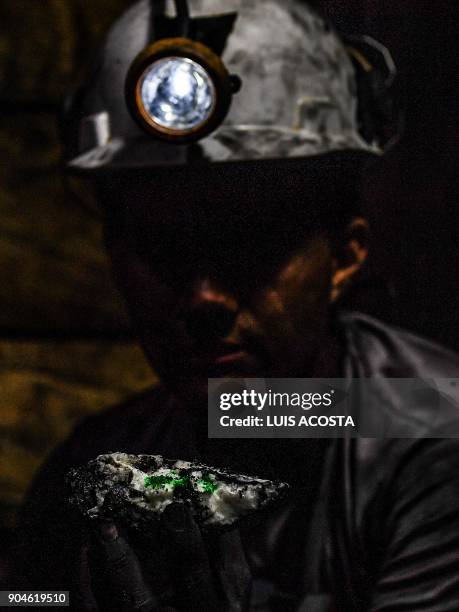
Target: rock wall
61, 318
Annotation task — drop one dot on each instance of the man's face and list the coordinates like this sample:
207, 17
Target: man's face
216, 290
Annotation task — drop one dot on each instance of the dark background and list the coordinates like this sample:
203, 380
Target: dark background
412, 197
65, 343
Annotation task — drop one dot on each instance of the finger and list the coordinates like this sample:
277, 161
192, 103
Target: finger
231, 568
152, 554
120, 580
82, 595
188, 560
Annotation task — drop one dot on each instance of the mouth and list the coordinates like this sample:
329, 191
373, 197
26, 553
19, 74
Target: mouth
230, 358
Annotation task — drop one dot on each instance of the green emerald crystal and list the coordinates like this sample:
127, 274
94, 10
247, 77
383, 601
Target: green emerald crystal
173, 480
208, 485
159, 482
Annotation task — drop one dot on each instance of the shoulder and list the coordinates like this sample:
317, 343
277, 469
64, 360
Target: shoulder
384, 350
386, 353
408, 471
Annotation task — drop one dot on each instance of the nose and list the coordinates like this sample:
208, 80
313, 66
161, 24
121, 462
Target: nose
211, 312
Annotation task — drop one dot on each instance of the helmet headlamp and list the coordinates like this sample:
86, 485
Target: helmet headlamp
179, 90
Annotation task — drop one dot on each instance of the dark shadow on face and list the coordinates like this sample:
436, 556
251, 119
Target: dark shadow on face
226, 270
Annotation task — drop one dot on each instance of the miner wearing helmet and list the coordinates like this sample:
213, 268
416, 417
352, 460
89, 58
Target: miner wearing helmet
223, 141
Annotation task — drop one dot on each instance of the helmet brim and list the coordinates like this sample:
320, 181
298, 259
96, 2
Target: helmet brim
228, 144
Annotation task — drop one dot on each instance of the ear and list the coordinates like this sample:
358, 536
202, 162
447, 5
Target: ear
350, 256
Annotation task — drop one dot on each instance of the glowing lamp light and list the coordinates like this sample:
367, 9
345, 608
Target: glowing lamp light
179, 90
177, 93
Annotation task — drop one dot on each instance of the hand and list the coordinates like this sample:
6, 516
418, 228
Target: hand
175, 569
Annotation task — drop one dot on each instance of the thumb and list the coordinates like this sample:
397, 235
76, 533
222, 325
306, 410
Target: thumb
188, 560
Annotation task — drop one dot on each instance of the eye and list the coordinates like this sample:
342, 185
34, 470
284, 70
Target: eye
170, 254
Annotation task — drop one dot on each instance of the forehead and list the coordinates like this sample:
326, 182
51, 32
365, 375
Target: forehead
242, 223
289, 192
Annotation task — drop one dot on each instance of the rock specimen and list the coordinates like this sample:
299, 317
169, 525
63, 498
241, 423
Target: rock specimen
135, 489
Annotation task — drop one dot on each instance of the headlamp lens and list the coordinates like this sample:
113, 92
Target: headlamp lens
177, 93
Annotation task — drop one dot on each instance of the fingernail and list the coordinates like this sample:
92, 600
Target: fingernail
108, 532
177, 517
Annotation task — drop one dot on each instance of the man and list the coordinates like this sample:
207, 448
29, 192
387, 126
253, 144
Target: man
236, 269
